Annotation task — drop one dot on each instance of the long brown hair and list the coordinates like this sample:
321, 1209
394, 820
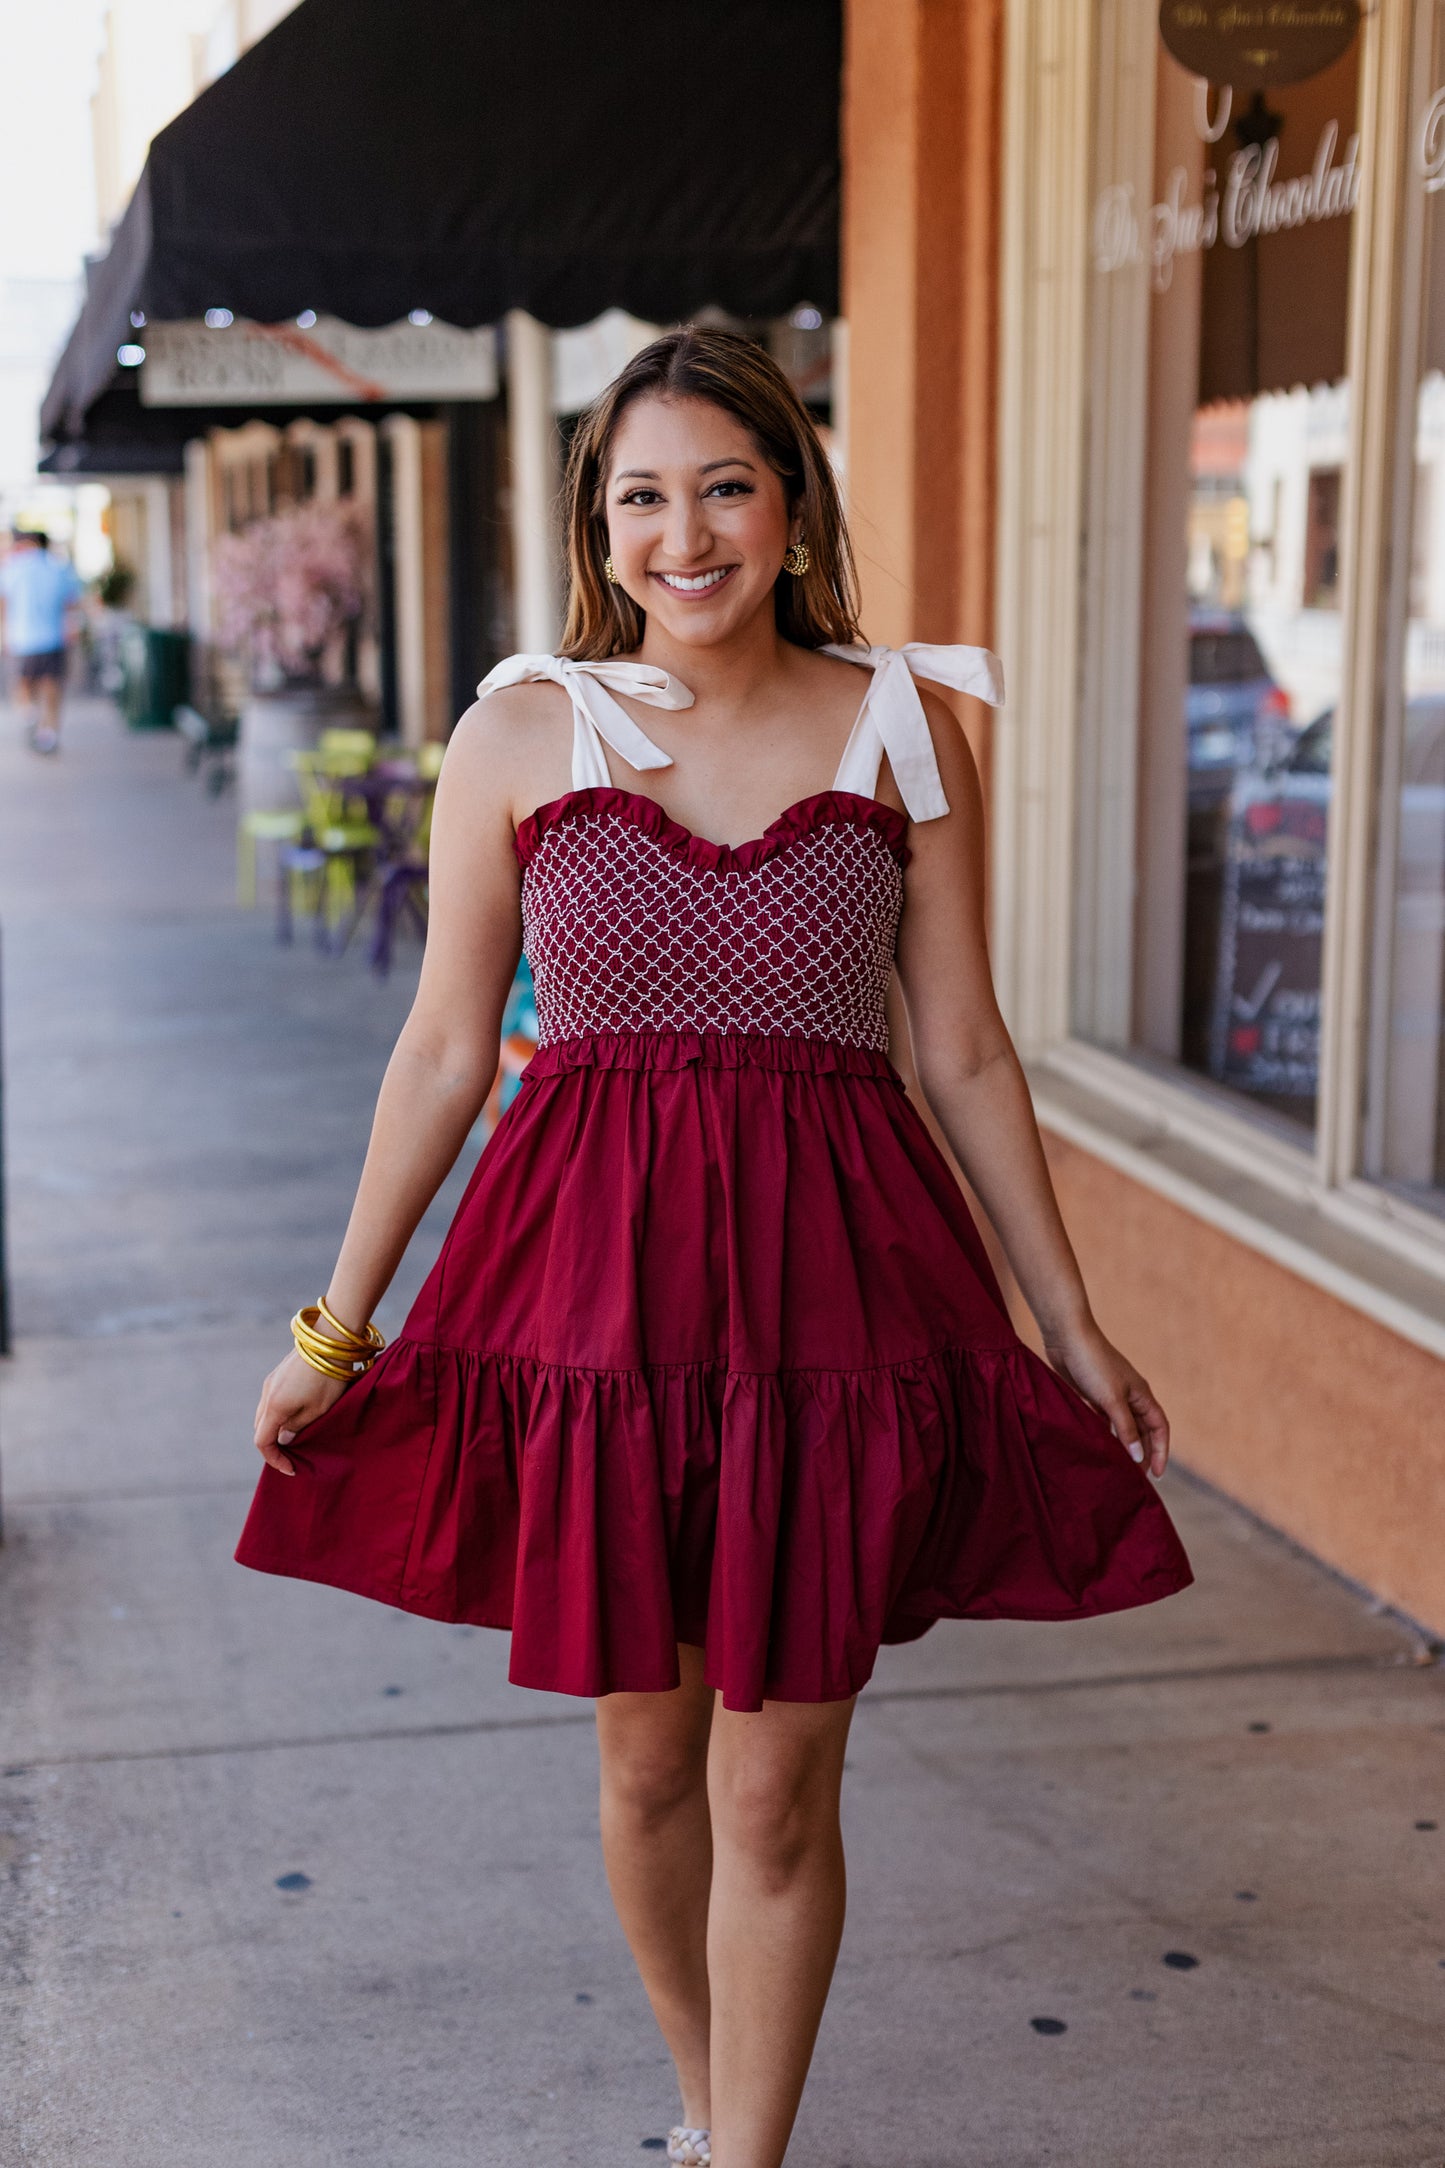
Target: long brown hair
741, 377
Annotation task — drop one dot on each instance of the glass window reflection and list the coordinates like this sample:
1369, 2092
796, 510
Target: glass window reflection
1246, 248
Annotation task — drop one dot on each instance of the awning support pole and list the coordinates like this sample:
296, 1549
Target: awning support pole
534, 447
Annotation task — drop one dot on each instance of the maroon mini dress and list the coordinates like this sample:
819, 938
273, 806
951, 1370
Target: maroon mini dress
713, 1352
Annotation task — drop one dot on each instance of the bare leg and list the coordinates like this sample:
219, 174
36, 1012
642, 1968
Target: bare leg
23, 692
657, 1844
776, 1918
50, 691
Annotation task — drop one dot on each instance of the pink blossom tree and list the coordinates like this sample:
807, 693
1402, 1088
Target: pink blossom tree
287, 586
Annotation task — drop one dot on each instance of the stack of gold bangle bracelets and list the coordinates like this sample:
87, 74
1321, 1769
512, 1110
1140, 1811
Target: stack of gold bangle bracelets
339, 1352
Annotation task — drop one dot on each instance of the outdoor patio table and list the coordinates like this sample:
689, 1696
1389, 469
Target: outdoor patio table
397, 803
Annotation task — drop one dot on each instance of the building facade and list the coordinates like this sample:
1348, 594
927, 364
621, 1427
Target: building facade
1165, 429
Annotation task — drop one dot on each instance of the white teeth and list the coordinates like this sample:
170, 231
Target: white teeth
693, 587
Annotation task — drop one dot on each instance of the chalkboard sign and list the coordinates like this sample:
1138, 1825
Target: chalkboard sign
1266, 1028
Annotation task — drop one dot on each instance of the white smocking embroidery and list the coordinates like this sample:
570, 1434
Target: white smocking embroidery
623, 933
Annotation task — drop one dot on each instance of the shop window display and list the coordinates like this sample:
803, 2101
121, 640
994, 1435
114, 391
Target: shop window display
1239, 377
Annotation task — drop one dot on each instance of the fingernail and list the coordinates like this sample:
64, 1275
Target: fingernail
284, 1437
1136, 1452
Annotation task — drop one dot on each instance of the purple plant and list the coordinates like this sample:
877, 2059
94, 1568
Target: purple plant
288, 585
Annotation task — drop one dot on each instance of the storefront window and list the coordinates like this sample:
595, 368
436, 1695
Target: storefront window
1405, 1118
1230, 372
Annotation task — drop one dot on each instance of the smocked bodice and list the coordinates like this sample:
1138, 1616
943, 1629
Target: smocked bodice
631, 923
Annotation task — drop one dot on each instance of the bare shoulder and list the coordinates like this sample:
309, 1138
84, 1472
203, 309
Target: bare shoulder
510, 744
957, 839
957, 768
516, 721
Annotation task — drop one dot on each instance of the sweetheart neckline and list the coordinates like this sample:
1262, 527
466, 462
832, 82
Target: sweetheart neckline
851, 808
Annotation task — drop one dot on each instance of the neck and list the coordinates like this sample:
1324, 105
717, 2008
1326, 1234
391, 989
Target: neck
728, 674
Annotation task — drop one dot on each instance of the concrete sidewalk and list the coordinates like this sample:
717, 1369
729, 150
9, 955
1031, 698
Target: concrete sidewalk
295, 1881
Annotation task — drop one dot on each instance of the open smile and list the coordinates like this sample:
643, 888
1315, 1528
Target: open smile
695, 583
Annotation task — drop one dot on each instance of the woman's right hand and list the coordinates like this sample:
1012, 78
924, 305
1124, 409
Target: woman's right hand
293, 1396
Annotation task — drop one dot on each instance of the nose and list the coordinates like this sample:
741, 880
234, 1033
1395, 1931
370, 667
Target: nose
687, 536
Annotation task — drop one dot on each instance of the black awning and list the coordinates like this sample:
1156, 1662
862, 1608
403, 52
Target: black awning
370, 157
87, 366
123, 437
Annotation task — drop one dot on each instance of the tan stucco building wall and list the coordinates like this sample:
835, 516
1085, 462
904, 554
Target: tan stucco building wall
1323, 1422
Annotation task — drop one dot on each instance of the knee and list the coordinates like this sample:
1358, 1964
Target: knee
646, 1788
773, 1819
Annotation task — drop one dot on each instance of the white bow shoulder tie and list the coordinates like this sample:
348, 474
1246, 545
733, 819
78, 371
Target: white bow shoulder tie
891, 719
595, 714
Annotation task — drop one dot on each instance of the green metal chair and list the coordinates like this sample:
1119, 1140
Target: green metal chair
318, 868
283, 825
342, 739
344, 751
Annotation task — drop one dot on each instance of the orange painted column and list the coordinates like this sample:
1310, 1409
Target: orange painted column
880, 301
920, 293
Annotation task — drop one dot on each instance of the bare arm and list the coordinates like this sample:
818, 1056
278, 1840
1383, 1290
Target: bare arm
445, 1058
973, 1082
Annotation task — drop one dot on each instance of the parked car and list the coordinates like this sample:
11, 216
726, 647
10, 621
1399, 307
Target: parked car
1238, 722
1266, 1022
1291, 798
1237, 716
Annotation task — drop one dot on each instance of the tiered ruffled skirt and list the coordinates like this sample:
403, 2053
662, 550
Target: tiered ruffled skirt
713, 1353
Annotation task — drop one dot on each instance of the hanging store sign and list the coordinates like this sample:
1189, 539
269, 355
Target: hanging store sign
587, 357
1253, 43
237, 363
1251, 202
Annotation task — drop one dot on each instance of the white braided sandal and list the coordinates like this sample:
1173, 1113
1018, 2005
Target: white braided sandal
689, 2148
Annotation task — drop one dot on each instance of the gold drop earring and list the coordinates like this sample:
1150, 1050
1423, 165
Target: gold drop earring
795, 558
612, 579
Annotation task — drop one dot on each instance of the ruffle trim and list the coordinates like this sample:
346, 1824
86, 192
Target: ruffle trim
787, 1523
668, 1050
837, 808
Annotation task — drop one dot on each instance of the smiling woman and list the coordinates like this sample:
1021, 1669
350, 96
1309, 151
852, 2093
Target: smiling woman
712, 1390
618, 511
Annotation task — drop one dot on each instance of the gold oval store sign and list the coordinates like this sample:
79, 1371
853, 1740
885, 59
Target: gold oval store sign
1252, 43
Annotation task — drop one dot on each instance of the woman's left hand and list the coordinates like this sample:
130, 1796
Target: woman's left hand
1094, 1367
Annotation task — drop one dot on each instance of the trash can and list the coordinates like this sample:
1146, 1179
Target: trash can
156, 675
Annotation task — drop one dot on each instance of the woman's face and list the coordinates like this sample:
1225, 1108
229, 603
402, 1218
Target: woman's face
697, 521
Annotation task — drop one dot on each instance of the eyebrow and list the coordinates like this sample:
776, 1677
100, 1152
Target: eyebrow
649, 474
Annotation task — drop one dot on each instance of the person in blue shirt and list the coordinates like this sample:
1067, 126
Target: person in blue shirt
38, 595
